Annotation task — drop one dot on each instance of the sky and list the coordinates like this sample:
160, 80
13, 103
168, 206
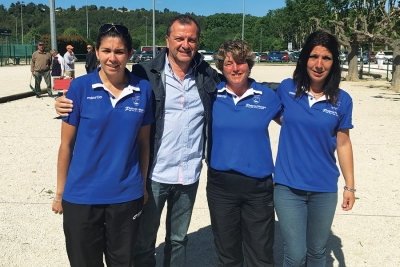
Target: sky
257, 8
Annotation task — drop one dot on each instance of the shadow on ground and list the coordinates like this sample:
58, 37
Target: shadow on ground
200, 250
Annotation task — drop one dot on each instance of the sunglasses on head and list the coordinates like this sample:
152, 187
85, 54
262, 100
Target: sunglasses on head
118, 28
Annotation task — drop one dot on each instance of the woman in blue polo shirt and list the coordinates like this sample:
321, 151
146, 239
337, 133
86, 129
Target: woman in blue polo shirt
316, 122
239, 185
103, 156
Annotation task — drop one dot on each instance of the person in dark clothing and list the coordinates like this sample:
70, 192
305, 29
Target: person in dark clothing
58, 64
91, 60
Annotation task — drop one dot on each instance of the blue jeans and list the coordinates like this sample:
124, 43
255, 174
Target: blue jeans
305, 219
180, 200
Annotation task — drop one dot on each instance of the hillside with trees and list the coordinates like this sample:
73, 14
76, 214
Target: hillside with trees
370, 24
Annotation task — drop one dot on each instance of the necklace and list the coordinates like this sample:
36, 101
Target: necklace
315, 95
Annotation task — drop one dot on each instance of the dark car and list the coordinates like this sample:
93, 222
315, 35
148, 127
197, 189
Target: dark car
135, 57
294, 56
275, 56
264, 57
147, 55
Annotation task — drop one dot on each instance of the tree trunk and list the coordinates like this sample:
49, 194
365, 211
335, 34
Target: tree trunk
396, 66
353, 65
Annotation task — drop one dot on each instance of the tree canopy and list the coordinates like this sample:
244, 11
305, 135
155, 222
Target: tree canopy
371, 24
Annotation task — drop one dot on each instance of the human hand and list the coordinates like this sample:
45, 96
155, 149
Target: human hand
57, 206
33, 73
348, 200
63, 105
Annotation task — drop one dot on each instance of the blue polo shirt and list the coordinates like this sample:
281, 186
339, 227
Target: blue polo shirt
240, 137
307, 143
105, 164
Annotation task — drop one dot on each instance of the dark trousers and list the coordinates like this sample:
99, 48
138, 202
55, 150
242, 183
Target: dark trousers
242, 218
38, 80
91, 230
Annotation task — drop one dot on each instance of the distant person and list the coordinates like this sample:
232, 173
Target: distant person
91, 59
380, 56
58, 64
40, 67
104, 156
316, 123
69, 60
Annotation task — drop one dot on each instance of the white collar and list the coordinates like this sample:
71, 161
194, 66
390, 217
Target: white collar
237, 98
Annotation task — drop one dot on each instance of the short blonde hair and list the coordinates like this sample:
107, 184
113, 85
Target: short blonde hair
240, 50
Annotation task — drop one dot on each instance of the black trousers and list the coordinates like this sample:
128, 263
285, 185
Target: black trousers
242, 218
91, 230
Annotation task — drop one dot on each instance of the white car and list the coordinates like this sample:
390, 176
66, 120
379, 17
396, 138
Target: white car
388, 57
257, 58
208, 56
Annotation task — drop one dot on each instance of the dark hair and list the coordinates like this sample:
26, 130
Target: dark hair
113, 32
240, 50
183, 20
300, 75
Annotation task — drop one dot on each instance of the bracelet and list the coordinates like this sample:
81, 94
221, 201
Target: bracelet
58, 201
349, 189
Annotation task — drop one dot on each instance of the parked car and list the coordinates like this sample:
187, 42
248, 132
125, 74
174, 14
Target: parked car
364, 58
285, 56
294, 56
264, 57
275, 56
257, 58
147, 55
135, 57
208, 56
371, 56
343, 56
388, 57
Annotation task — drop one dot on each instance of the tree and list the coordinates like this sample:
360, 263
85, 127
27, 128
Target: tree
71, 32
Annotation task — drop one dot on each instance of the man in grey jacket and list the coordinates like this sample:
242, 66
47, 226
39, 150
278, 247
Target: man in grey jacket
69, 61
183, 86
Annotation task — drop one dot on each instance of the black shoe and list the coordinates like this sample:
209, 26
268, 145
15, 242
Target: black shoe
37, 96
50, 94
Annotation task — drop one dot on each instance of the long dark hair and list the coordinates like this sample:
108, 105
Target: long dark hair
300, 75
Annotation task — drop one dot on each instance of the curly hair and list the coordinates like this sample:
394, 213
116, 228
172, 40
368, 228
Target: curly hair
240, 50
300, 75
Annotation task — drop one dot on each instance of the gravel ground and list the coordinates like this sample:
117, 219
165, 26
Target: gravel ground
31, 235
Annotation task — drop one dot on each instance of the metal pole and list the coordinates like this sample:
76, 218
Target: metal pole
146, 30
87, 22
22, 26
16, 30
53, 25
243, 23
154, 29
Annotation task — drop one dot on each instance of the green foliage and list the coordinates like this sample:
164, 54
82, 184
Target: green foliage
71, 32
274, 30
